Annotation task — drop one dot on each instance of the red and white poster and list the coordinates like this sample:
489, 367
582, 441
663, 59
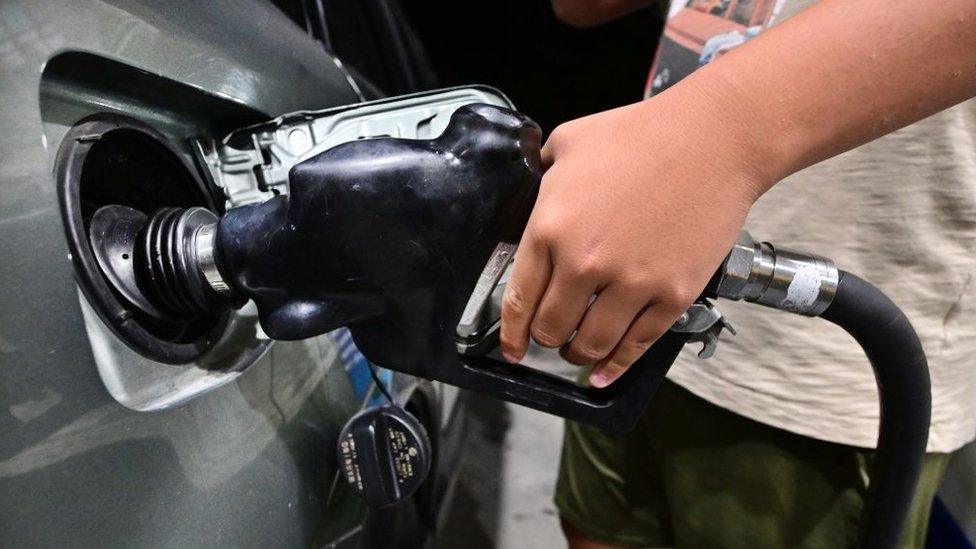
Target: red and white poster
699, 31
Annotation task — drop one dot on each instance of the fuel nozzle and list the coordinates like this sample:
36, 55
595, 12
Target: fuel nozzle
385, 235
163, 264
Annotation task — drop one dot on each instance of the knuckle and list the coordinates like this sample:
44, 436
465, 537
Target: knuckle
633, 349
510, 344
544, 335
590, 349
616, 369
508, 339
668, 317
575, 359
513, 301
642, 343
634, 286
546, 229
559, 134
588, 267
676, 293
685, 296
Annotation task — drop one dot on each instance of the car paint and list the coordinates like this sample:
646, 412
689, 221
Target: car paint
249, 462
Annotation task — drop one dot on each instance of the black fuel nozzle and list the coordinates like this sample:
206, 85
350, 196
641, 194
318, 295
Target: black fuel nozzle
384, 229
386, 235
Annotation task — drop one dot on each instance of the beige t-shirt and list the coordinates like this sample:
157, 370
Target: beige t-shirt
901, 213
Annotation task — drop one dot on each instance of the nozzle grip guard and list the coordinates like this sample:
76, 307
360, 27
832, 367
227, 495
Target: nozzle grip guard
616, 408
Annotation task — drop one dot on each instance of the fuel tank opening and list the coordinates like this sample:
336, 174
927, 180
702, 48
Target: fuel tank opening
114, 174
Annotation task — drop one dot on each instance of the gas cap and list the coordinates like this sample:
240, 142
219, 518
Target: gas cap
384, 454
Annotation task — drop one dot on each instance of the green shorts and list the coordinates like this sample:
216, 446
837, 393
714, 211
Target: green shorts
695, 475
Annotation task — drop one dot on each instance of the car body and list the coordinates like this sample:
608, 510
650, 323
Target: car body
103, 445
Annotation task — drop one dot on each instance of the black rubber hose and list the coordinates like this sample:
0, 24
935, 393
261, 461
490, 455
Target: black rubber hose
904, 391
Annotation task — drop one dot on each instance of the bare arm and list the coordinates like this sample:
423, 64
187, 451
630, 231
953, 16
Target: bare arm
845, 72
612, 218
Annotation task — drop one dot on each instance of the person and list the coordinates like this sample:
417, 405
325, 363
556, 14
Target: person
768, 443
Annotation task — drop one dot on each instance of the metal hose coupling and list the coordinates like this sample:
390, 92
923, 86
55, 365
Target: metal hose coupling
177, 261
163, 265
782, 279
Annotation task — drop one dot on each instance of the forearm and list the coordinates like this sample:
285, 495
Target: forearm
839, 74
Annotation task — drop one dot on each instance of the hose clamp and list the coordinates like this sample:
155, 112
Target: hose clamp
205, 243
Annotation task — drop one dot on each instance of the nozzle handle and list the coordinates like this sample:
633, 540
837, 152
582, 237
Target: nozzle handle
616, 408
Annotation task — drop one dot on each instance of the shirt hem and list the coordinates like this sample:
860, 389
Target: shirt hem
730, 396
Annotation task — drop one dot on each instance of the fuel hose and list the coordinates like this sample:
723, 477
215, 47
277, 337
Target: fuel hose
901, 371
811, 285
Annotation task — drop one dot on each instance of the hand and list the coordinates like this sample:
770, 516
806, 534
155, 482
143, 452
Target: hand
638, 207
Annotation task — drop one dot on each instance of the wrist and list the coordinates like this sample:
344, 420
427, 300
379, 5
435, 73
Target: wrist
733, 124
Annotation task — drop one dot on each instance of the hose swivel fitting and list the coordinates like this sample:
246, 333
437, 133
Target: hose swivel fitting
757, 272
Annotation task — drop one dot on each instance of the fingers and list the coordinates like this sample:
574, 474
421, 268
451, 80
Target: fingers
526, 286
561, 309
529, 279
645, 330
606, 321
